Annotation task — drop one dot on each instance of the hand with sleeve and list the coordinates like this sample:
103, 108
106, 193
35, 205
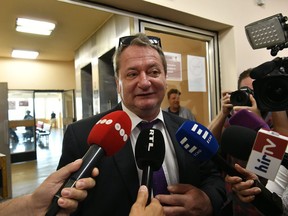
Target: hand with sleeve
38, 202
185, 200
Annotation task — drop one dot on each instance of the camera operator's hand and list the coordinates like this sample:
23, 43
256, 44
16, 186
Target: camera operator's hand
252, 108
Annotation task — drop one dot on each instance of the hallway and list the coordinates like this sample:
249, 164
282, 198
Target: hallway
26, 176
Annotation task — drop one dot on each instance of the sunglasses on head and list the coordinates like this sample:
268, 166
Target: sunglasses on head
126, 41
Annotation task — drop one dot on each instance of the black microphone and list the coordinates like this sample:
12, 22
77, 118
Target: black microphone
149, 154
284, 161
238, 141
200, 143
107, 137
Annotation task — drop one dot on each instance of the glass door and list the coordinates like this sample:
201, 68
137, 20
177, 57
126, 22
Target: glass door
28, 112
21, 112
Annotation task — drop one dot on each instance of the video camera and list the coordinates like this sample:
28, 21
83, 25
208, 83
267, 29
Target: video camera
271, 78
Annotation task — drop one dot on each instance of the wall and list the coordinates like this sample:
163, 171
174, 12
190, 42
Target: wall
100, 43
236, 54
32, 74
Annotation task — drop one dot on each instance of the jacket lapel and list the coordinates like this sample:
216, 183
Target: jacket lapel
125, 162
172, 127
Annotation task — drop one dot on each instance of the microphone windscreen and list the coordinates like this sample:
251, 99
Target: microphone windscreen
246, 118
150, 149
238, 141
197, 140
262, 70
111, 132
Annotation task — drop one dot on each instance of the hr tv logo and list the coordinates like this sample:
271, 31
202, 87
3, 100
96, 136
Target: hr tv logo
267, 153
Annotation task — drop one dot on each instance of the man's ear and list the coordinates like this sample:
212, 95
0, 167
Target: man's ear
117, 84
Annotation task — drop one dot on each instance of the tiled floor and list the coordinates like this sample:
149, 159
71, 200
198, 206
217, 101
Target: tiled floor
27, 176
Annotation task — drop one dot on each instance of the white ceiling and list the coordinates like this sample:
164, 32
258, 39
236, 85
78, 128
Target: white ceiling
74, 25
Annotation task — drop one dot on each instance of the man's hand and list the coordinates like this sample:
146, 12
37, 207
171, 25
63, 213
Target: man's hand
185, 200
243, 189
41, 198
139, 208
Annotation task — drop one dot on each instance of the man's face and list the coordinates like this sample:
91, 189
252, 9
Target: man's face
174, 101
141, 81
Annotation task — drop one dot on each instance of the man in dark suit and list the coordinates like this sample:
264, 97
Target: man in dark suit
196, 188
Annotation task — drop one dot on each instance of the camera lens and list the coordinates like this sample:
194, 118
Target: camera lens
272, 93
276, 91
240, 98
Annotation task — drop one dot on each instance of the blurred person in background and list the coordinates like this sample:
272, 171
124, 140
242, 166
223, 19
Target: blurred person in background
173, 96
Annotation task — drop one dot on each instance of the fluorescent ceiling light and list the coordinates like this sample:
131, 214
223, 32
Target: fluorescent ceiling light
24, 54
34, 26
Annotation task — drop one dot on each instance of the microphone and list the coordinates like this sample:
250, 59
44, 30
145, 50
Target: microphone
248, 119
200, 143
107, 137
231, 143
264, 151
238, 141
149, 154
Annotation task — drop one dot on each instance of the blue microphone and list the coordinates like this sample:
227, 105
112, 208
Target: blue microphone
197, 140
201, 144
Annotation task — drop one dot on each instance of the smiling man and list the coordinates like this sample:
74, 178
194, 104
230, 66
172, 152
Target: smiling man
194, 188
173, 96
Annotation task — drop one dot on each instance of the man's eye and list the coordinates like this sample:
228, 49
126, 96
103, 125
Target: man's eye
131, 74
154, 73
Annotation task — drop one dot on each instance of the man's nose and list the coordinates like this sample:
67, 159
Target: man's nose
144, 81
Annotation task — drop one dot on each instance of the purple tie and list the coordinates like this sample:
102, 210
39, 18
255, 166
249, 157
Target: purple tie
159, 181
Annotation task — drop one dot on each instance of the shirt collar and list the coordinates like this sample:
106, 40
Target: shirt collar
136, 120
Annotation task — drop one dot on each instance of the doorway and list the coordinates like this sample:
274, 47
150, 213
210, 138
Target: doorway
41, 104
108, 96
87, 91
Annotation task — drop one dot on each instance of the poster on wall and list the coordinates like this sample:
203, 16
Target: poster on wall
196, 74
24, 103
174, 66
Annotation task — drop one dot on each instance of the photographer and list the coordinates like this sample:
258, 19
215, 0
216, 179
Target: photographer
219, 123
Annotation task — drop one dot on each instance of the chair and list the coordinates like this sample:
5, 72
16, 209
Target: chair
45, 132
39, 125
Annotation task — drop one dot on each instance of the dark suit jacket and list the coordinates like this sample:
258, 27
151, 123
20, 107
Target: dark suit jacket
117, 185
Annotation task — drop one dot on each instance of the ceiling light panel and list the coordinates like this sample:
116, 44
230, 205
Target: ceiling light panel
34, 26
24, 54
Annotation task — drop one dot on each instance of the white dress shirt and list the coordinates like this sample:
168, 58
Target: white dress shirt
169, 165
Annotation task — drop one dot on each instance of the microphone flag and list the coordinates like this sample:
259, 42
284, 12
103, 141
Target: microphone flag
267, 153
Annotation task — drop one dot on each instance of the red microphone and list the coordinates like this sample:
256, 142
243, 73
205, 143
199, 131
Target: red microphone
107, 137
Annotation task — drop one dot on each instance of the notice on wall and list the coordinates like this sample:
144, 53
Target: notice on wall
174, 66
196, 74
